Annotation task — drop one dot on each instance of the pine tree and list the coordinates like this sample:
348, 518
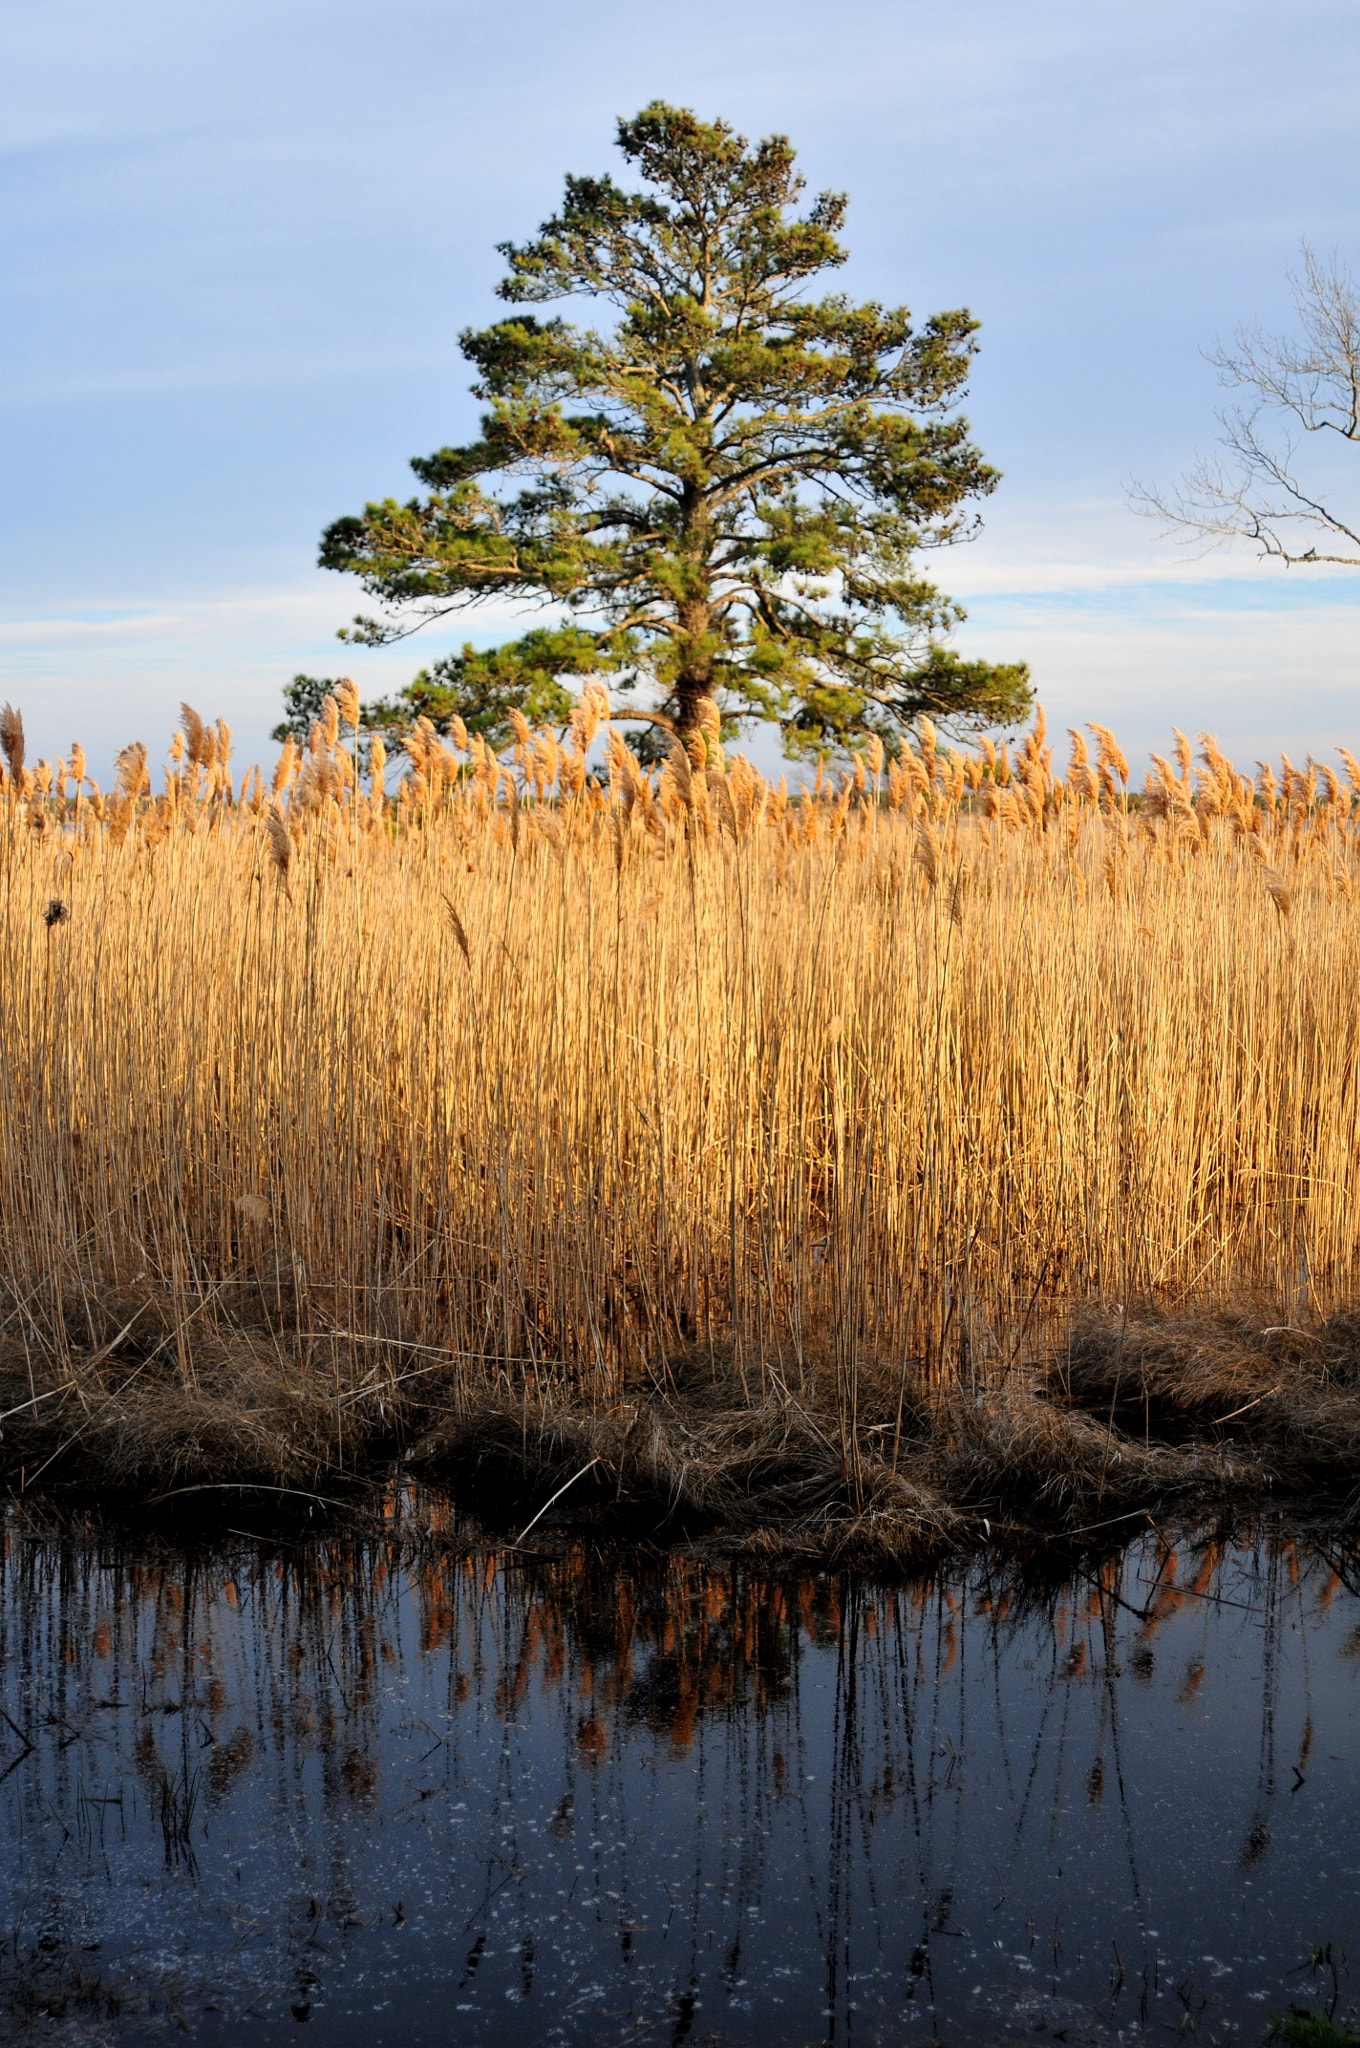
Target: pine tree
728, 490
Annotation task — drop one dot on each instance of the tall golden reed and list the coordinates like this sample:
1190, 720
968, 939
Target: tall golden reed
566, 1079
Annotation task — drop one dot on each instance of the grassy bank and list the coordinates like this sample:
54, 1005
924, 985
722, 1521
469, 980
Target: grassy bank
955, 1138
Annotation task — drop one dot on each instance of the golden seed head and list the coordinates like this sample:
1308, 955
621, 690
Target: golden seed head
12, 739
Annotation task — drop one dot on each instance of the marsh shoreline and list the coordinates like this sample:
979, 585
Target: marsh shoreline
1133, 1416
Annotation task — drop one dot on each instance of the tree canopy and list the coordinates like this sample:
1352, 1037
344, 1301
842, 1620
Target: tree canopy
728, 492
303, 706
482, 687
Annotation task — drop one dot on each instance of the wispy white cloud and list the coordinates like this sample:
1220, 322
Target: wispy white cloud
1056, 545
106, 672
239, 371
1265, 679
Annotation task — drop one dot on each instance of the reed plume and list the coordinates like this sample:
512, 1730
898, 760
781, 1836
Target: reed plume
12, 740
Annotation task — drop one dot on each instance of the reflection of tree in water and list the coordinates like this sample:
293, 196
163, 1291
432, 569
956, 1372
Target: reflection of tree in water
666, 1647
157, 1690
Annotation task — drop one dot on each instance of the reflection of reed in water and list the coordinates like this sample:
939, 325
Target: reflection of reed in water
714, 1759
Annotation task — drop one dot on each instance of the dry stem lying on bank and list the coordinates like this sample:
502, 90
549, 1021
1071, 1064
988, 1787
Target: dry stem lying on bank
529, 1086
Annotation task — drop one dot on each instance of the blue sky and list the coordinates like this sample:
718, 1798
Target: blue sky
238, 242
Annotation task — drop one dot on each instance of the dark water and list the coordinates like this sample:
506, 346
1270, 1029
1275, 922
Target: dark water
394, 1796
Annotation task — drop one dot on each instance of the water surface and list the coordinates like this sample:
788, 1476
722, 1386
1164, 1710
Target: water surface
393, 1793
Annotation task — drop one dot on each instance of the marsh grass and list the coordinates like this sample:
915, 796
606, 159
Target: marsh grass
335, 1120
1312, 2030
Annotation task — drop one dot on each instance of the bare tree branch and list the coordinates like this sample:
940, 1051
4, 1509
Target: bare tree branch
1252, 491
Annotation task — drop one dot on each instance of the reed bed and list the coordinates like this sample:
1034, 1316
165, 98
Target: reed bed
334, 1116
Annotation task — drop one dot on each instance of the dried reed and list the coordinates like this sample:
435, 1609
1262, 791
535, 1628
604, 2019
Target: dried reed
855, 1093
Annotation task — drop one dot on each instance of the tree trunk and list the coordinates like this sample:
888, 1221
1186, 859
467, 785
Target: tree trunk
693, 693
694, 707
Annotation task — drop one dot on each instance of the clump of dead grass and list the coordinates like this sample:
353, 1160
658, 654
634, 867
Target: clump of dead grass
1285, 1393
1130, 1416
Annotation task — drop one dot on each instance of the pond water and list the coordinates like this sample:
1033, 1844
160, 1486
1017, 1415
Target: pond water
398, 1792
